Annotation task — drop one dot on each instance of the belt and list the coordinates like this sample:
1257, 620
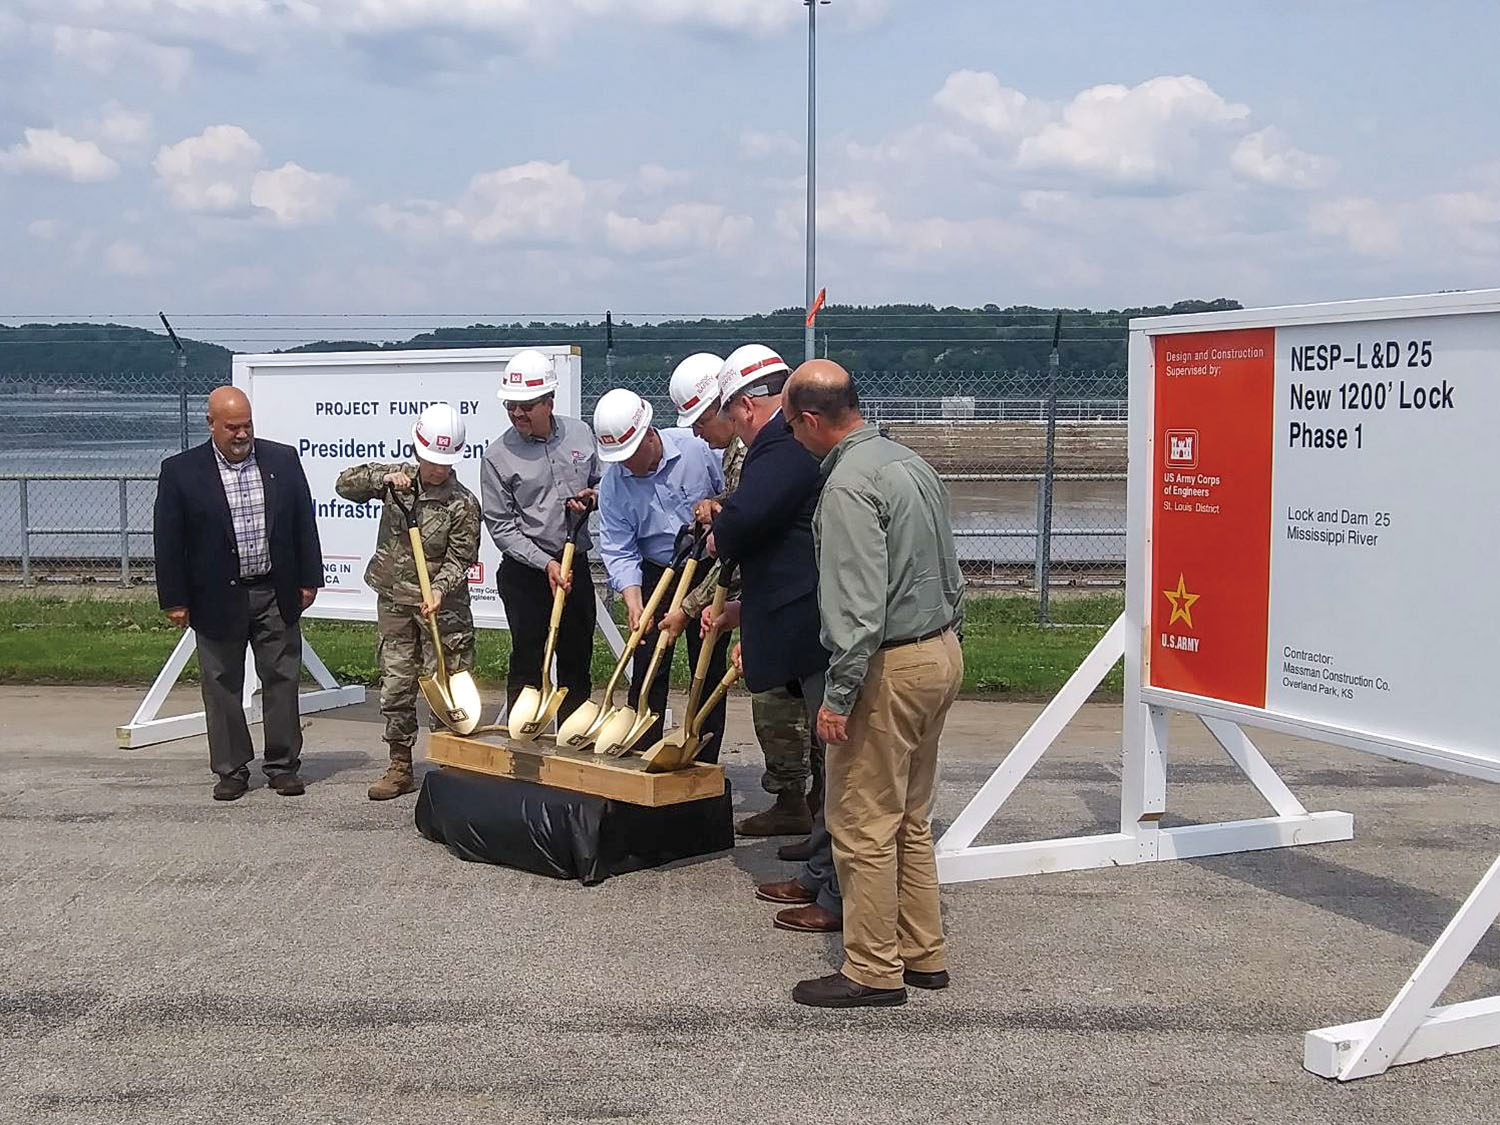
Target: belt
255, 579
915, 640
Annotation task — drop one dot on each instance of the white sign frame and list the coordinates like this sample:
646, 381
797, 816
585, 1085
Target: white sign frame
1412, 1028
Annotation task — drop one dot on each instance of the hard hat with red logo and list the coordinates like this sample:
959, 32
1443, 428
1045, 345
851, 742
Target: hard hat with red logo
747, 366
695, 386
620, 423
439, 435
529, 375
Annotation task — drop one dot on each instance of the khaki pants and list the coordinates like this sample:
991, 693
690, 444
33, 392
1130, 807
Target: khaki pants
880, 789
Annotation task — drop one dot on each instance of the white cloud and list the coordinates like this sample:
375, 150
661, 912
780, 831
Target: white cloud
855, 214
295, 197
103, 51
653, 178
212, 171
680, 227
1268, 157
1364, 225
1139, 136
1467, 208
222, 171
535, 202
755, 145
978, 98
47, 230
127, 260
50, 153
123, 127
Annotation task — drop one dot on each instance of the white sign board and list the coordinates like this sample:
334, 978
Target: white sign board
345, 408
1320, 537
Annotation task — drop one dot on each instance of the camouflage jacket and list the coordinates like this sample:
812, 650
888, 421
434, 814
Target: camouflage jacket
449, 520
702, 594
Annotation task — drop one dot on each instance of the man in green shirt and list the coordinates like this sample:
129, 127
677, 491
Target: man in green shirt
890, 597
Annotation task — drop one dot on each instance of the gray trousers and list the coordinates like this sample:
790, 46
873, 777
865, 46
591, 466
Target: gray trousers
277, 649
817, 873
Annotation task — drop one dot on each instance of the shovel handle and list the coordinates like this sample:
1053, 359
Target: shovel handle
415, 535
638, 632
721, 689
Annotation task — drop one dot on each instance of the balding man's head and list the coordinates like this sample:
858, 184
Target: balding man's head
230, 423
822, 405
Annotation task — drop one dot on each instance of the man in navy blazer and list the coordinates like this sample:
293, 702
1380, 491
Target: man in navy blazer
238, 560
766, 526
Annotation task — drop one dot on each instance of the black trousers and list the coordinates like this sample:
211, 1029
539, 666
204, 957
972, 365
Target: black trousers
277, 650
527, 597
656, 697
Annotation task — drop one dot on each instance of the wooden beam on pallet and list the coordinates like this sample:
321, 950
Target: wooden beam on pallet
619, 779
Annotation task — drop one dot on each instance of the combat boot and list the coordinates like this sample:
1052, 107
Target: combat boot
398, 776
787, 817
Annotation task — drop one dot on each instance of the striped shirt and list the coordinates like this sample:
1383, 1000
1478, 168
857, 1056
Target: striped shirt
247, 508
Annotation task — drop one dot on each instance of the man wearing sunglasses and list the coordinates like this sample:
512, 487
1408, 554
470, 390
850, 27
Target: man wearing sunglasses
528, 479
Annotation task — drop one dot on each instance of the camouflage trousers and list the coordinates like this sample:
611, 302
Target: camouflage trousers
781, 727
405, 652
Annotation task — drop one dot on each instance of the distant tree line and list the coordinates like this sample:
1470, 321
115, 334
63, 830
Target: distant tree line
924, 349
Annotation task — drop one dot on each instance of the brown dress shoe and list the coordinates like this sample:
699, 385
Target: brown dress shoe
288, 784
838, 991
930, 981
789, 892
810, 919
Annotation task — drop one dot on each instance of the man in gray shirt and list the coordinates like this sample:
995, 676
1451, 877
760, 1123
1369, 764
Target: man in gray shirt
890, 597
528, 479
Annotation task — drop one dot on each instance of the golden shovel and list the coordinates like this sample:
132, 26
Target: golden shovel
625, 728
580, 728
678, 748
454, 700
534, 709
689, 750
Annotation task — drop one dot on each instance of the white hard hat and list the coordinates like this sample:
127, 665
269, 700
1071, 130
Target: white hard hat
695, 386
620, 423
439, 435
747, 365
529, 375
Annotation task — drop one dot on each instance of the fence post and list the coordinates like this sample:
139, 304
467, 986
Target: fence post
1045, 578
124, 531
1037, 571
25, 534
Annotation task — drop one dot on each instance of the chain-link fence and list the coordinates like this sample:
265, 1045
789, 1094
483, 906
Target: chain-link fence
1034, 457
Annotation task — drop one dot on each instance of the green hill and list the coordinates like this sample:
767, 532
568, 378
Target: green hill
934, 350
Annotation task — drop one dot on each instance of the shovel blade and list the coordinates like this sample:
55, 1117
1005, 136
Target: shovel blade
452, 716
616, 736
580, 728
545, 712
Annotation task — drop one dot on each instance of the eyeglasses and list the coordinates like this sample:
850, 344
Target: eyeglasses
523, 407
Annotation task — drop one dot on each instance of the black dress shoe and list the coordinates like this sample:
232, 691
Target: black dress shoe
288, 784
929, 981
796, 853
838, 991
230, 788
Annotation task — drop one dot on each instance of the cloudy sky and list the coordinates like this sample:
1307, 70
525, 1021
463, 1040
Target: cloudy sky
567, 156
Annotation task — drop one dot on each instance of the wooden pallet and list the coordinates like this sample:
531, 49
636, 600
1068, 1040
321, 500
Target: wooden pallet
620, 779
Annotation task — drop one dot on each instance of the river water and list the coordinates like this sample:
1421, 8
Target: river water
91, 432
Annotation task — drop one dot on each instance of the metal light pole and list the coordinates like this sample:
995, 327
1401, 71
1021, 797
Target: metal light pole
809, 343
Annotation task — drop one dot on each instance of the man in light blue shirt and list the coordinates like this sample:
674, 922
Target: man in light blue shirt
652, 478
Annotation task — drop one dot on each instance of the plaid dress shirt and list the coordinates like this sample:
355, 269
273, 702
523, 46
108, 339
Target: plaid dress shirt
247, 508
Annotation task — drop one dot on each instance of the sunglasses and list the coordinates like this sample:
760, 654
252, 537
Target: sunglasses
523, 407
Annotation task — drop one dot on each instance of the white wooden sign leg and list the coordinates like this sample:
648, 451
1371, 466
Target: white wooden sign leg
147, 729
1412, 1029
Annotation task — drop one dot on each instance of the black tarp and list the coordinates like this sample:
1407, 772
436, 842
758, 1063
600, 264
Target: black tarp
566, 835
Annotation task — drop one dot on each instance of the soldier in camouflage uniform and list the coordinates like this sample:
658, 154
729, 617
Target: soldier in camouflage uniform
449, 520
780, 719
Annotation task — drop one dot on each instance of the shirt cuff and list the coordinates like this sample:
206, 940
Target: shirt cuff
840, 700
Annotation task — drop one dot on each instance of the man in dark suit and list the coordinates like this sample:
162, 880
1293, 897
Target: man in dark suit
766, 525
238, 560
